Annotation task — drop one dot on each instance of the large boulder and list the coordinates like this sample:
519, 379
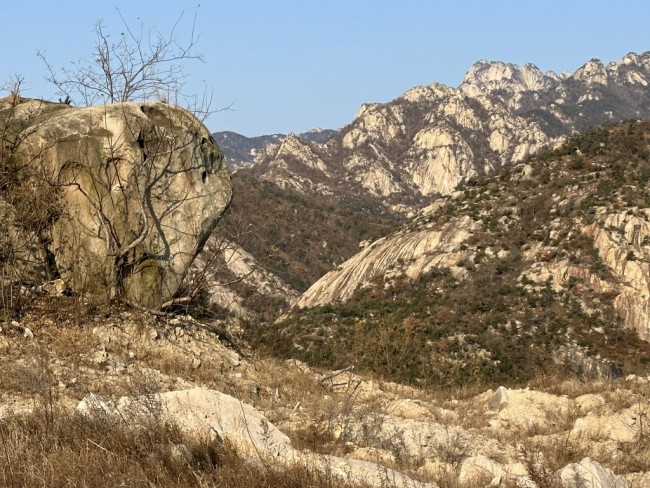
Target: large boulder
142, 186
203, 414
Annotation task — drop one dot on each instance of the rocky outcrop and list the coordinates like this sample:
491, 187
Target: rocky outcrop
590, 474
571, 226
141, 186
434, 137
233, 279
623, 243
404, 253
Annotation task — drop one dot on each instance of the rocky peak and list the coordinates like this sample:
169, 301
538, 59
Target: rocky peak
487, 76
434, 137
594, 72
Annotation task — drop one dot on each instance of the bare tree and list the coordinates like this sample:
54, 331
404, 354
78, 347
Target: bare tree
135, 65
130, 183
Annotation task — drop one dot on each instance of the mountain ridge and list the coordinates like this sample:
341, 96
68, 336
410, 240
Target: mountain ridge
431, 138
240, 150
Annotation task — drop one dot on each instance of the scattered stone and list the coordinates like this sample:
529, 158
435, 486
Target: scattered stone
55, 288
590, 474
180, 453
528, 408
411, 409
93, 404
499, 399
619, 427
196, 363
100, 357
374, 455
479, 468
356, 471
636, 379
589, 402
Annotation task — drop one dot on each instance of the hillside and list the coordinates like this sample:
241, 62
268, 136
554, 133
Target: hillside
299, 237
545, 263
114, 397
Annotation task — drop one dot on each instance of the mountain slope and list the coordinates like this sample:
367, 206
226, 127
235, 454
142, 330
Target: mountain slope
549, 260
434, 137
398, 157
299, 237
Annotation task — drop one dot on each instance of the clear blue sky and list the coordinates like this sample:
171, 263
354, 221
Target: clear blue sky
288, 66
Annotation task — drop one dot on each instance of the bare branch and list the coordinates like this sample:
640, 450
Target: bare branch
136, 66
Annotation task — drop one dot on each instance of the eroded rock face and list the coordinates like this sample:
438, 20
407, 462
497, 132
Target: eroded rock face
434, 137
621, 239
142, 188
406, 252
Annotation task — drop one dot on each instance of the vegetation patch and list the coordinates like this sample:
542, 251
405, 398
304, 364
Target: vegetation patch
505, 321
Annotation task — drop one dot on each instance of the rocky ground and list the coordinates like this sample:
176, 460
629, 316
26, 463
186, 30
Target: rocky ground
132, 368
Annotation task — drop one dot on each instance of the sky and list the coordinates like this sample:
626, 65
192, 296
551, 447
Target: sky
277, 66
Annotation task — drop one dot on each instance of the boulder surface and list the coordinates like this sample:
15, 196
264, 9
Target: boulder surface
142, 186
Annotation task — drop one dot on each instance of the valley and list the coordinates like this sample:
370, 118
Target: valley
450, 291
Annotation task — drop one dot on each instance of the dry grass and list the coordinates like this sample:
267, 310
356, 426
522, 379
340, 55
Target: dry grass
76, 451
53, 448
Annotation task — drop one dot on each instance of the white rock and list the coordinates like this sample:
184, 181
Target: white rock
357, 471
589, 402
478, 468
590, 474
93, 404
499, 399
619, 427
207, 413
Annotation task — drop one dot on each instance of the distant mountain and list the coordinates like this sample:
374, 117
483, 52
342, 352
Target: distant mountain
240, 150
395, 158
427, 141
